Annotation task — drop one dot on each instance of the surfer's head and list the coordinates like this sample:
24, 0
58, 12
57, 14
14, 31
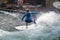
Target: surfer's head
27, 10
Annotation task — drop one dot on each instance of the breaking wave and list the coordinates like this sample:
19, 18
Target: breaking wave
47, 28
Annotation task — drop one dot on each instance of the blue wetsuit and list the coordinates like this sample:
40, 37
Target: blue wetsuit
28, 16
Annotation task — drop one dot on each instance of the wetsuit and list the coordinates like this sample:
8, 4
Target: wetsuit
28, 17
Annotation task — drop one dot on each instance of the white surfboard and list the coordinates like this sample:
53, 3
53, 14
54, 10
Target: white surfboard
57, 4
24, 27
20, 27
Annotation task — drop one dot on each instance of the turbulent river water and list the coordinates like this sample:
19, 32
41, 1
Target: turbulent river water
47, 27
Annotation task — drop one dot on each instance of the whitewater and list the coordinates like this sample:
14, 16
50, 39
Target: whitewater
47, 27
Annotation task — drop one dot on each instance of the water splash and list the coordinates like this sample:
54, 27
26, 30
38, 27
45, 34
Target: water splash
48, 28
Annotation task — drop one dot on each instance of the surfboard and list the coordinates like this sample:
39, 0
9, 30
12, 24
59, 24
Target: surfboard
57, 4
21, 28
30, 27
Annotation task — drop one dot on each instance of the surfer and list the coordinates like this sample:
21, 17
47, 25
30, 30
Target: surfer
28, 17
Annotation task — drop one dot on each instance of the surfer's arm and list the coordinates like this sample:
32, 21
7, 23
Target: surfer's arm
23, 17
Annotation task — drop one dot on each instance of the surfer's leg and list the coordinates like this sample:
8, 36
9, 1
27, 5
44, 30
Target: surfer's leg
34, 22
26, 25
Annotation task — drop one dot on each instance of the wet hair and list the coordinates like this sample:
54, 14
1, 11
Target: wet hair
27, 10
